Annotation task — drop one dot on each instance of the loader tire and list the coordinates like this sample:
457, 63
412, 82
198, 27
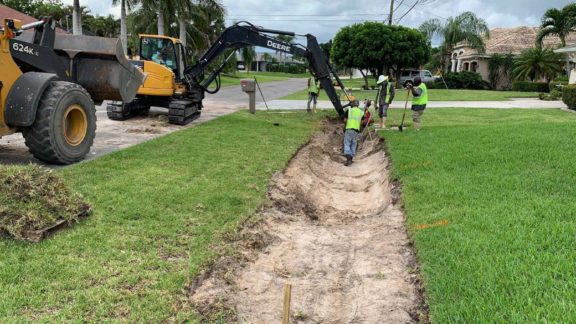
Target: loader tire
65, 124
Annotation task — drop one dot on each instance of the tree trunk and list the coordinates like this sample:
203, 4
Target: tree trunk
76, 18
160, 23
123, 32
182, 23
365, 76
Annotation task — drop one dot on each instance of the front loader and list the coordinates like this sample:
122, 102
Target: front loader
49, 82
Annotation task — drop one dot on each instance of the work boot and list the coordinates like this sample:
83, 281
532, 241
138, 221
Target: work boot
417, 126
348, 160
314, 108
383, 123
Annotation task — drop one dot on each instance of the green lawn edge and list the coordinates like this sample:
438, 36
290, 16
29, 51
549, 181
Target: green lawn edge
489, 201
159, 207
434, 95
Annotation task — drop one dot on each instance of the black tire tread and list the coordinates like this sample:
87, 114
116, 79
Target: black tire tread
37, 137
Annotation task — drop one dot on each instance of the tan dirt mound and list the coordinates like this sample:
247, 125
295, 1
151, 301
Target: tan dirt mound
331, 231
34, 200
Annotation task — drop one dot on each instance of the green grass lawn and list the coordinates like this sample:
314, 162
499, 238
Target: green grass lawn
158, 208
262, 77
434, 95
489, 198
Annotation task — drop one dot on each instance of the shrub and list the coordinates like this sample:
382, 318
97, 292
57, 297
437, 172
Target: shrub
528, 86
286, 68
438, 84
553, 95
569, 96
465, 80
556, 85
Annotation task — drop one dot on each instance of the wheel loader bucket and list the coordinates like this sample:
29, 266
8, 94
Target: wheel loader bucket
100, 66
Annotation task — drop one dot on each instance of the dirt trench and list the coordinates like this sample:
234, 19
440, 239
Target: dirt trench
331, 231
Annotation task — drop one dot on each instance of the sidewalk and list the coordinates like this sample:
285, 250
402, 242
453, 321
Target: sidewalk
524, 103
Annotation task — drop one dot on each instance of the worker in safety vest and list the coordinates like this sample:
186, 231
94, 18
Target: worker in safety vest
353, 119
313, 89
420, 94
384, 98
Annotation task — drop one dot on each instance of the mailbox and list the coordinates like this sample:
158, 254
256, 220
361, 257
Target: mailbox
248, 85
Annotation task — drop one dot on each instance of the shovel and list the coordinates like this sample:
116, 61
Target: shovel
401, 127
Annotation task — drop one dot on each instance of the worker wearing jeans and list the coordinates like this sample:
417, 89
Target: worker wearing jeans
313, 89
353, 120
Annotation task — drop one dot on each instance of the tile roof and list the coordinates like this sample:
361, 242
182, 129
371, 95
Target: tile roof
515, 40
7, 12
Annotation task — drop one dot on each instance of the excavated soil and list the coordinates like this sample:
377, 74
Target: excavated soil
334, 233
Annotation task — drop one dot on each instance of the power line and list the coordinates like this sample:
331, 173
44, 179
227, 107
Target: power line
316, 20
398, 6
305, 15
404, 15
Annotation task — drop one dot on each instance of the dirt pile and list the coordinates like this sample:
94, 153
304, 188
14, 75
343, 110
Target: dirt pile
334, 234
33, 200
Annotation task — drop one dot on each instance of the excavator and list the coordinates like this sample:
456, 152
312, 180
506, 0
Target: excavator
49, 82
172, 84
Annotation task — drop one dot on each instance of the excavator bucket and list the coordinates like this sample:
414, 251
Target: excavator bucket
100, 66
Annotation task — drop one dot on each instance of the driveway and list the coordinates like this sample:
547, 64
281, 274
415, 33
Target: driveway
115, 135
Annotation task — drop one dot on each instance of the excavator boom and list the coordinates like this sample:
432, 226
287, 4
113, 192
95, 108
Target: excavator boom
244, 34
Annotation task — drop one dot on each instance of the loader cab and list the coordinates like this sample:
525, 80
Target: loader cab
166, 51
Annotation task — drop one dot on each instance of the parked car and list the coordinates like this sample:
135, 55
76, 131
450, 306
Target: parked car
407, 76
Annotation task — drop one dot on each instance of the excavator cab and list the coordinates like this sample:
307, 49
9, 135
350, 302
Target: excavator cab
163, 60
166, 51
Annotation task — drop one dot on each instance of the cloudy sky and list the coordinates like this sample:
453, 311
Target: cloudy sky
324, 18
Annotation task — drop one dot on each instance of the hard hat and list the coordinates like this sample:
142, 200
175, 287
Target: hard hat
382, 78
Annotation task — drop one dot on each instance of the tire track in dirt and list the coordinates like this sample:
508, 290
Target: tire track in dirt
334, 234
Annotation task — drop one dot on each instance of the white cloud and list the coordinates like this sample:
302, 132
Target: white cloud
324, 18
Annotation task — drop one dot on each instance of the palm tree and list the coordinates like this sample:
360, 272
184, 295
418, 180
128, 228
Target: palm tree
558, 23
286, 39
125, 6
248, 55
161, 8
535, 63
195, 10
76, 18
463, 28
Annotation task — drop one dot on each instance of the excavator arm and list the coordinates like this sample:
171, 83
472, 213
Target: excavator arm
244, 34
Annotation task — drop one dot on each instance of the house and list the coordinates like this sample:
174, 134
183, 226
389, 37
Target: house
7, 12
263, 60
502, 41
570, 55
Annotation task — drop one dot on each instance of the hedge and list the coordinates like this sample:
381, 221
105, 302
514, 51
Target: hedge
464, 80
569, 96
529, 86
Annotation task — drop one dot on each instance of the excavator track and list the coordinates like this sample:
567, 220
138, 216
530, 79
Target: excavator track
123, 111
182, 112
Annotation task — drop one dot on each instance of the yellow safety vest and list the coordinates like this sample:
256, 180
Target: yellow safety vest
313, 87
355, 115
423, 98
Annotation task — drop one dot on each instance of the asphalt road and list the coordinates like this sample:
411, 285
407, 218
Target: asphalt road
115, 135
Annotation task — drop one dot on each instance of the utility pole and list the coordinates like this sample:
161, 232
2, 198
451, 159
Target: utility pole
391, 12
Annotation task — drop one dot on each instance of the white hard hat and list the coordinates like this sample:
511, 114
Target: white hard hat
382, 78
